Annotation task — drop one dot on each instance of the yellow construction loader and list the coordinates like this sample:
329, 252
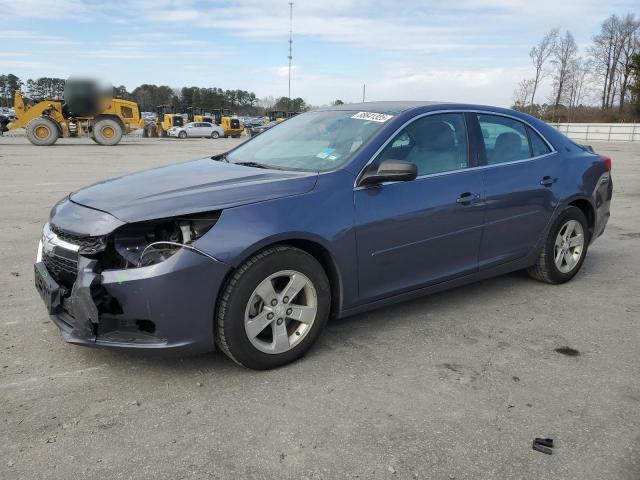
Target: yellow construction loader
166, 117
220, 116
275, 116
48, 120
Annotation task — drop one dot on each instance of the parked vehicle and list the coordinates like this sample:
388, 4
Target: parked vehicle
332, 213
197, 129
256, 129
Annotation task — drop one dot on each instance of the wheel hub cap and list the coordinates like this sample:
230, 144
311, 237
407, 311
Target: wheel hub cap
569, 246
42, 132
280, 312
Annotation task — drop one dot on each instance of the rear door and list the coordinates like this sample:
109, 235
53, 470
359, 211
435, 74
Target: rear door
207, 128
520, 180
416, 233
201, 129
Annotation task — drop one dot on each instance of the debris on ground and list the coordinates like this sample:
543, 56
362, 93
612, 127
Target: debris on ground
568, 351
15, 274
543, 445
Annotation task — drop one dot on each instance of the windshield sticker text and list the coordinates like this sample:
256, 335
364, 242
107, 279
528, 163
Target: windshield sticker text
374, 117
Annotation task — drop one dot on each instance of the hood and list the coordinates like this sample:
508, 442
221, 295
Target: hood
190, 187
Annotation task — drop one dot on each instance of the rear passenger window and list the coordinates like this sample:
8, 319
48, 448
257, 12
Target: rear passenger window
538, 146
435, 143
505, 139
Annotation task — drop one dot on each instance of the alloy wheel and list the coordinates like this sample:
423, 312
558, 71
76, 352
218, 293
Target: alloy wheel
280, 312
569, 246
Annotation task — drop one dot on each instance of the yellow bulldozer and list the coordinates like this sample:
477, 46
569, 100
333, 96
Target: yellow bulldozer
81, 111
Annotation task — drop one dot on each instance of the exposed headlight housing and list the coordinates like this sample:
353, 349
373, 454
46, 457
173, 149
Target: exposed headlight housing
147, 243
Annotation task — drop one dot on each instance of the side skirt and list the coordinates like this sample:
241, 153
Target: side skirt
502, 269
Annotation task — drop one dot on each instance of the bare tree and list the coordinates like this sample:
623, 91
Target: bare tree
539, 55
611, 52
523, 92
576, 90
630, 39
562, 58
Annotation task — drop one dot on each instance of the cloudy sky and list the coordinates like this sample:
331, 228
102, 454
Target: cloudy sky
468, 50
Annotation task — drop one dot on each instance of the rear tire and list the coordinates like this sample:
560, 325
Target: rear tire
257, 292
107, 131
564, 249
42, 131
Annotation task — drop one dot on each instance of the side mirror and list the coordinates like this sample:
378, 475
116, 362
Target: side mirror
390, 171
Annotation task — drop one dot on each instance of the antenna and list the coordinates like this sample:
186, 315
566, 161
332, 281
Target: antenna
290, 46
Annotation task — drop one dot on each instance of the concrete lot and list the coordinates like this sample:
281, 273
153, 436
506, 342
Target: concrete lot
455, 385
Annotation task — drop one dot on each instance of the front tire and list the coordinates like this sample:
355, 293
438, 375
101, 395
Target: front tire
215, 135
564, 248
42, 131
182, 135
273, 308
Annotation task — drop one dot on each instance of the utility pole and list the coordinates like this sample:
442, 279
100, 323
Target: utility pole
364, 91
290, 47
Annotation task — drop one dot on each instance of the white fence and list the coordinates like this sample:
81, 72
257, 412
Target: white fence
604, 132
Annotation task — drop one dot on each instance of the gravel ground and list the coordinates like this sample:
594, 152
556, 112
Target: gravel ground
455, 385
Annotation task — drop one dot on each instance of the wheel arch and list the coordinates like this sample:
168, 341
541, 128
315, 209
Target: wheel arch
313, 247
585, 205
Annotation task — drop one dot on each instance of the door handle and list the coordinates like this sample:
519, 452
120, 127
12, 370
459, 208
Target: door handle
467, 198
547, 181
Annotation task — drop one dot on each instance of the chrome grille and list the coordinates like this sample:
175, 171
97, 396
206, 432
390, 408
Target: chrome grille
85, 243
63, 270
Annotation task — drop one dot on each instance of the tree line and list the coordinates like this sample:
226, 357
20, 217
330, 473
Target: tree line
148, 96
601, 84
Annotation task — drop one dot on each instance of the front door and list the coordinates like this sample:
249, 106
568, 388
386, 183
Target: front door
421, 232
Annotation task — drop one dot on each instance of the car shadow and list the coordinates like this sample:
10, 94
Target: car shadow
337, 332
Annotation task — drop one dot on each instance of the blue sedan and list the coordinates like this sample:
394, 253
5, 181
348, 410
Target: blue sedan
331, 213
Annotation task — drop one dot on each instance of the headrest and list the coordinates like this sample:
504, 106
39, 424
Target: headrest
508, 142
436, 135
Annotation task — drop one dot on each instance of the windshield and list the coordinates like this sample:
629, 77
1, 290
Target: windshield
312, 141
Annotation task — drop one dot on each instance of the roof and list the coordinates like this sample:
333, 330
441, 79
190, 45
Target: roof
385, 107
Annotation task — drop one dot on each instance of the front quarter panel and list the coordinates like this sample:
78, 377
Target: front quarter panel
323, 216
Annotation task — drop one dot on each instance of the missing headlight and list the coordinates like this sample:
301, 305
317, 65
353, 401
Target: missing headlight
147, 243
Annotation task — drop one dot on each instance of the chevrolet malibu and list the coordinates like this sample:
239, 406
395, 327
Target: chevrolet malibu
331, 213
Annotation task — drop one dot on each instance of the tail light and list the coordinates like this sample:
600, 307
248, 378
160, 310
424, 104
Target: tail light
607, 161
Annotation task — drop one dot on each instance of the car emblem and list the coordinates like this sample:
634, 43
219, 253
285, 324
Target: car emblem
47, 244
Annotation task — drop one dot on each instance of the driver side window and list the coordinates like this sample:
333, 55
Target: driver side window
435, 144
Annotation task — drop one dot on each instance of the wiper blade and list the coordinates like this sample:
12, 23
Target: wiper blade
253, 164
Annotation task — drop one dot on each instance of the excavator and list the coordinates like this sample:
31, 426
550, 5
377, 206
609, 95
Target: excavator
83, 110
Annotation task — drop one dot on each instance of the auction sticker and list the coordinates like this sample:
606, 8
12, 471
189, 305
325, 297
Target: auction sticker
374, 117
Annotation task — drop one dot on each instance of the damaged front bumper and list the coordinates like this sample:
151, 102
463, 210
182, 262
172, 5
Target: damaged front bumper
163, 306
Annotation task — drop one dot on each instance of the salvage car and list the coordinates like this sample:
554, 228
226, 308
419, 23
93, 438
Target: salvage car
197, 130
335, 212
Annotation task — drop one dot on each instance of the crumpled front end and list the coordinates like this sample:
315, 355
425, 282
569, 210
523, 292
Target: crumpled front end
107, 290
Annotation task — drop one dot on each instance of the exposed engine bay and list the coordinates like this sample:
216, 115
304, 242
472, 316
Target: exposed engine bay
147, 243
